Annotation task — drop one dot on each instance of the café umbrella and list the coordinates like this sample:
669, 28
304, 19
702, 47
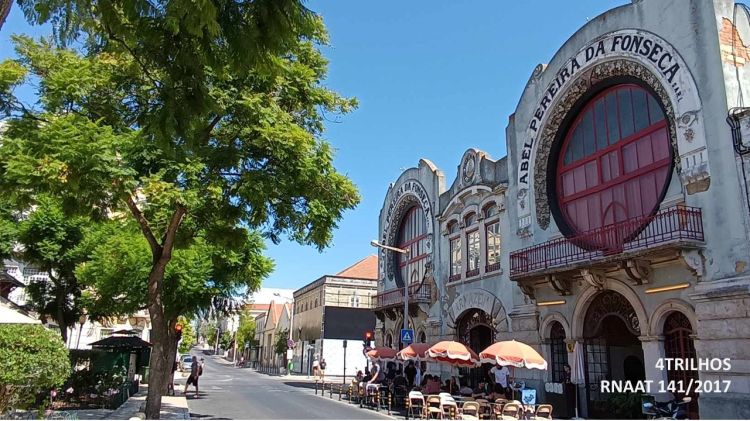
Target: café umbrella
381, 353
414, 352
513, 353
453, 353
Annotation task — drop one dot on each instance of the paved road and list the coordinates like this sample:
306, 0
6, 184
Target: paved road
232, 393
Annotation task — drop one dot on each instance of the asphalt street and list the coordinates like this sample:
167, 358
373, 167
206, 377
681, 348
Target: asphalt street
227, 392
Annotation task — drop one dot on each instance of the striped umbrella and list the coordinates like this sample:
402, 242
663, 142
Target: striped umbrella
381, 353
453, 353
513, 353
415, 352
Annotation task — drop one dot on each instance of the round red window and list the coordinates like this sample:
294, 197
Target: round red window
614, 165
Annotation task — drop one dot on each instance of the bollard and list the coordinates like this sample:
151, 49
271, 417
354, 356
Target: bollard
376, 400
316, 388
407, 405
350, 393
341, 390
453, 412
390, 402
330, 390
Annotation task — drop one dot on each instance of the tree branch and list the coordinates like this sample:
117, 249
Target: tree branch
171, 233
156, 248
211, 126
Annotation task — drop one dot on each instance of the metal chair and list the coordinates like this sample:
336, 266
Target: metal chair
416, 403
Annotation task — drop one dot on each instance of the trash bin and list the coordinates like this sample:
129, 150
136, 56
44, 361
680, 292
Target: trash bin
144, 374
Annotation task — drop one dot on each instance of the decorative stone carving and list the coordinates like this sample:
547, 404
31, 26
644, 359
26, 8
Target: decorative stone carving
560, 284
528, 290
468, 168
594, 277
610, 303
627, 52
638, 271
695, 261
477, 299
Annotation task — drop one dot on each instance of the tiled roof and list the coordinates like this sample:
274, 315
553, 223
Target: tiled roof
366, 268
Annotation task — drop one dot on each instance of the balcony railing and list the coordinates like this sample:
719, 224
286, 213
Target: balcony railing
473, 272
679, 223
395, 296
493, 267
454, 277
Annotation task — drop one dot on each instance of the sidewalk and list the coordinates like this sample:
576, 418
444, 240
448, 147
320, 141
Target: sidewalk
172, 407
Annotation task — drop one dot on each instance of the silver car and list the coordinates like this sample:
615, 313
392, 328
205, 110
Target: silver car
186, 362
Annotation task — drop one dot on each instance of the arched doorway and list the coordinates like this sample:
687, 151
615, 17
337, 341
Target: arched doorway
678, 344
613, 350
475, 330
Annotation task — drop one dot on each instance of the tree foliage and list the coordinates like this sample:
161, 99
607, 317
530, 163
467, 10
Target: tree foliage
246, 330
202, 122
281, 344
32, 360
53, 242
188, 336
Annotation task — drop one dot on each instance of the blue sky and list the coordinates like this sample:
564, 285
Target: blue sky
433, 78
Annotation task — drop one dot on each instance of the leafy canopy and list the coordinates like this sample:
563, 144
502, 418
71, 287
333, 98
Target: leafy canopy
32, 359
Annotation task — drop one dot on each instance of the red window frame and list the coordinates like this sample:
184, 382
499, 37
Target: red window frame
617, 146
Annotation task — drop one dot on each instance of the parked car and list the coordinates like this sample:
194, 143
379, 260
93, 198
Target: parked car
186, 362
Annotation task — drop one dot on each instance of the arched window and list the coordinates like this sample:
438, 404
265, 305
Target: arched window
615, 161
558, 353
679, 345
412, 236
470, 219
493, 240
453, 227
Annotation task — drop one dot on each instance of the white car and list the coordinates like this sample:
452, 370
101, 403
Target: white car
186, 362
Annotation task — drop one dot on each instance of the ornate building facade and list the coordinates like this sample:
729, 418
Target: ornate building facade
618, 222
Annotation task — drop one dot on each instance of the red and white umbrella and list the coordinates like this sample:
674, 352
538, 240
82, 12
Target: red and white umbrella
513, 353
453, 353
415, 352
381, 353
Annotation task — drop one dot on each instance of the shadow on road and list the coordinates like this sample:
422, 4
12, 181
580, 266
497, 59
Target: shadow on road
194, 416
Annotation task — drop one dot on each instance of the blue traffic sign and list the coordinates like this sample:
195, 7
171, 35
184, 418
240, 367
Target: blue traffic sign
407, 336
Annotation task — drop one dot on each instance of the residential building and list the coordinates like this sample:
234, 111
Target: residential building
332, 311
269, 327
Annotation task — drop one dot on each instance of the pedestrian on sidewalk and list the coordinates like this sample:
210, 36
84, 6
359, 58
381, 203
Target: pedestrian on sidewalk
411, 373
196, 369
322, 370
316, 365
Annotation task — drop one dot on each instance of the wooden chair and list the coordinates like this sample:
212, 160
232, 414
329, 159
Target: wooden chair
470, 411
449, 405
432, 407
485, 409
511, 411
416, 404
497, 408
544, 411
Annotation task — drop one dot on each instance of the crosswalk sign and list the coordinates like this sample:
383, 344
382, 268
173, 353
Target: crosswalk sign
407, 336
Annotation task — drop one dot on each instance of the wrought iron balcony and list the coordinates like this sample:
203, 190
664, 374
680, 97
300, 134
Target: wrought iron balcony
493, 267
473, 272
674, 225
395, 297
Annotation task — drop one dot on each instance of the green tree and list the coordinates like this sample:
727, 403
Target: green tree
188, 336
52, 241
200, 120
32, 360
280, 346
246, 330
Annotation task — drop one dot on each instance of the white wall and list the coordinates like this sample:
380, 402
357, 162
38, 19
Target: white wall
333, 352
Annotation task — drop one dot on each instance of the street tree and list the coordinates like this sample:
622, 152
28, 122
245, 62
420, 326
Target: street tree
246, 330
52, 241
188, 335
198, 119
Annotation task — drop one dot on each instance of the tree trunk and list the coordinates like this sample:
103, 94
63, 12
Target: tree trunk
160, 340
4, 10
61, 322
171, 355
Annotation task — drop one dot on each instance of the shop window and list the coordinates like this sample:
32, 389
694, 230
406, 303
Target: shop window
558, 352
615, 162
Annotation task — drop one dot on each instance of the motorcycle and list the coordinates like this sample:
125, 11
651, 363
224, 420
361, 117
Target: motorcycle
675, 409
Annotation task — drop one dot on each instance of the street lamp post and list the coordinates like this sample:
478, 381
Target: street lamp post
406, 285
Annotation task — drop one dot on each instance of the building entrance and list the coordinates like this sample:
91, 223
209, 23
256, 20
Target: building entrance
613, 352
475, 330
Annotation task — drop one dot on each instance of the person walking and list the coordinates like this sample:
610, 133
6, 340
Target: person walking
196, 369
322, 370
316, 366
